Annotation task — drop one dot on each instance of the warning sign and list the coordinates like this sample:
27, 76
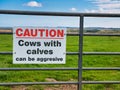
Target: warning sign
39, 45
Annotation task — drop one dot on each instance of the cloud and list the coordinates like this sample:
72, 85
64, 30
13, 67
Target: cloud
100, 10
100, 1
109, 5
105, 6
73, 9
33, 4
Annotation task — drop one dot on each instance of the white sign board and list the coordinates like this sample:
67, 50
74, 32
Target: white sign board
39, 45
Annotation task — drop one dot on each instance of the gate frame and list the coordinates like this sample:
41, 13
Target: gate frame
80, 53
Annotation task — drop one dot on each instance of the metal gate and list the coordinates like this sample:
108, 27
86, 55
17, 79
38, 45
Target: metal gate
80, 53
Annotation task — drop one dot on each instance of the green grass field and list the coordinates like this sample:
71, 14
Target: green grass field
91, 44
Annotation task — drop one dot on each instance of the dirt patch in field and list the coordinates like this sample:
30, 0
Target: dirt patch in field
59, 87
19, 87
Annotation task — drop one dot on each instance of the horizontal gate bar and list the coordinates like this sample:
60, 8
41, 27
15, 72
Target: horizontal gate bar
72, 53
94, 53
101, 53
6, 32
30, 69
100, 82
10, 53
18, 12
35, 83
65, 68
94, 34
56, 83
38, 13
6, 53
85, 34
101, 68
76, 53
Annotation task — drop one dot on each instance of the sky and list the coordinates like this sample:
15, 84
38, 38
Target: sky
80, 6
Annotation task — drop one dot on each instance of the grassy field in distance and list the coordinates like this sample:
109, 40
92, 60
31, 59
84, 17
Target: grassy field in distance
91, 44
